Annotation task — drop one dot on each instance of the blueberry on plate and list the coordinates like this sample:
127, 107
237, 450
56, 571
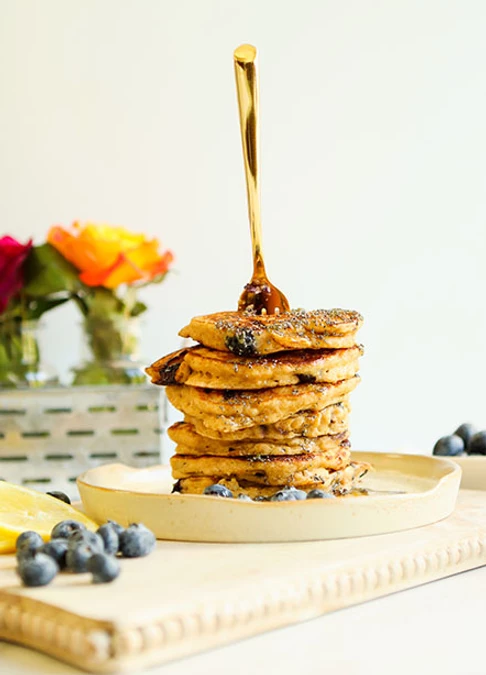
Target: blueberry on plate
477, 444
465, 431
136, 541
110, 538
285, 495
59, 495
244, 498
104, 568
37, 570
28, 543
319, 494
449, 446
217, 490
299, 495
65, 529
56, 549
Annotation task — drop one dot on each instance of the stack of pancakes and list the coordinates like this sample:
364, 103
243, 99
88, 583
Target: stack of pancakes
265, 401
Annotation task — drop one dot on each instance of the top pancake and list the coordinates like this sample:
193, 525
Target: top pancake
202, 367
248, 334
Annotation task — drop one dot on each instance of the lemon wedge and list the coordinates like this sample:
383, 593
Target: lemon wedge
22, 509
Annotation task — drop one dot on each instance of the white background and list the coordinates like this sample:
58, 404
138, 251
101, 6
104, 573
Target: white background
374, 172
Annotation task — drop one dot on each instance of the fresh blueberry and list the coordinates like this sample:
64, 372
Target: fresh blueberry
285, 495
136, 541
77, 557
65, 529
110, 537
28, 543
319, 494
118, 528
59, 495
104, 568
218, 490
38, 570
87, 538
477, 444
299, 495
465, 431
244, 498
449, 446
56, 549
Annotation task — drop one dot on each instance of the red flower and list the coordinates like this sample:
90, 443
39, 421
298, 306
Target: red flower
12, 258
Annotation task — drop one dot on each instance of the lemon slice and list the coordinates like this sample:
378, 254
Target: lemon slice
22, 509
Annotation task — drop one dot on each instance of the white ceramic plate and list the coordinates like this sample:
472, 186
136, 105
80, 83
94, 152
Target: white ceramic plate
406, 491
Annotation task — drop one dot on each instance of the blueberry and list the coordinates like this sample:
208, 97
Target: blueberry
77, 557
88, 539
477, 444
104, 568
82, 544
59, 495
285, 495
136, 541
319, 494
449, 446
244, 498
65, 529
299, 495
465, 431
110, 538
38, 570
118, 528
56, 549
28, 543
217, 490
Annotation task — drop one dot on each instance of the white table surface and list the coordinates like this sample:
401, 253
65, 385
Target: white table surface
435, 629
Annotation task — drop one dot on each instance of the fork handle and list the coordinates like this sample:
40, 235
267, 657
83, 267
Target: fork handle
246, 76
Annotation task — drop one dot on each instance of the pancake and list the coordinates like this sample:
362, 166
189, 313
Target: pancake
263, 469
331, 420
248, 334
202, 367
339, 482
229, 410
191, 443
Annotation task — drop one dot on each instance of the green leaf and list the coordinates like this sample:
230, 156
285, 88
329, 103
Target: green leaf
36, 308
47, 272
138, 308
102, 302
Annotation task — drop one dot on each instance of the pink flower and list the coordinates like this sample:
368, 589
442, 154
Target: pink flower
12, 258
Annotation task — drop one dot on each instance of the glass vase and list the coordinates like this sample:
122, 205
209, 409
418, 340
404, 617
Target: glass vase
21, 366
111, 352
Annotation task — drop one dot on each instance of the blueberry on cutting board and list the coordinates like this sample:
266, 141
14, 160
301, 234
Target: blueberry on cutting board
38, 570
449, 446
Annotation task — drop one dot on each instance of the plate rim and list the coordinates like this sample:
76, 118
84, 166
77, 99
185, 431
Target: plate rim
449, 466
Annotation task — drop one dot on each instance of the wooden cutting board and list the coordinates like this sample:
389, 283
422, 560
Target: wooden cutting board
187, 597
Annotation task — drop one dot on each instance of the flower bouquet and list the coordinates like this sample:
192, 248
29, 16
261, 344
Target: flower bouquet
101, 269
112, 264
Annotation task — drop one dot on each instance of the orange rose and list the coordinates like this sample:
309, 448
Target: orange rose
110, 256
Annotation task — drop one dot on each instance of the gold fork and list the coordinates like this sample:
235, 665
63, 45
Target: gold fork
259, 296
